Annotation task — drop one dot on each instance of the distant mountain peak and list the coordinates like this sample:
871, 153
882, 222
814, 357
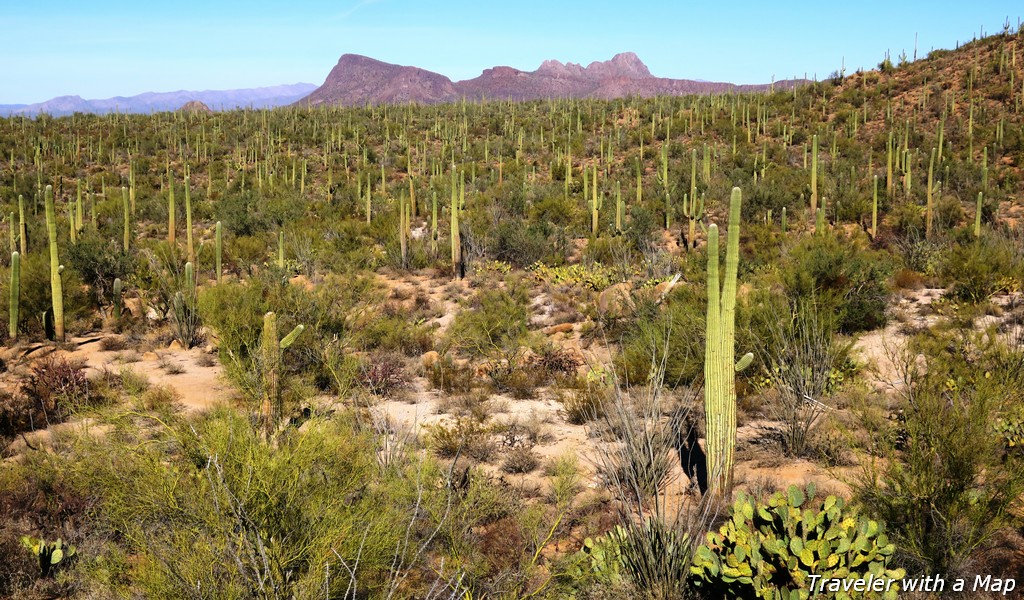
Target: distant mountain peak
358, 79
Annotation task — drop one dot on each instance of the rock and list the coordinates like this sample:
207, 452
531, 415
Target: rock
150, 356
175, 345
562, 328
429, 359
614, 300
133, 306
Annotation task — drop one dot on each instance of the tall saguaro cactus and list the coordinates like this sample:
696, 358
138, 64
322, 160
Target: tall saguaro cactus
56, 283
218, 251
814, 175
719, 358
14, 309
270, 348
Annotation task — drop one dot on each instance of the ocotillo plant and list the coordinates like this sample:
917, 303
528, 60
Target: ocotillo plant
271, 347
56, 283
14, 308
218, 252
719, 355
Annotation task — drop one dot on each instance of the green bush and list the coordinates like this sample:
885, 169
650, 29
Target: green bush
842, 278
976, 271
493, 321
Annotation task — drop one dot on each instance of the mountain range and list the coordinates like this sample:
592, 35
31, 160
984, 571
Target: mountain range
262, 97
357, 80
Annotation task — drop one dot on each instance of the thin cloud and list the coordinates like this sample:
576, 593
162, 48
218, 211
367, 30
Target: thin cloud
347, 13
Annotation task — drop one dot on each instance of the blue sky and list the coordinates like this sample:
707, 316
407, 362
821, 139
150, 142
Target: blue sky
105, 48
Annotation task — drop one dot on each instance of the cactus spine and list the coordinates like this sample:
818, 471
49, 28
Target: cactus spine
15, 302
56, 283
719, 356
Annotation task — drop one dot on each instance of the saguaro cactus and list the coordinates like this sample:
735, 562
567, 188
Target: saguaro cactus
596, 203
977, 216
170, 210
188, 220
126, 210
271, 348
56, 283
117, 293
14, 309
218, 251
814, 175
874, 210
719, 359
929, 206
693, 210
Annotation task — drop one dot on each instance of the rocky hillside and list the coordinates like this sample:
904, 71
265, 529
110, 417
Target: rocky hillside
359, 80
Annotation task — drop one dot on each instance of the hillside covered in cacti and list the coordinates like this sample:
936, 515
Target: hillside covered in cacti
723, 345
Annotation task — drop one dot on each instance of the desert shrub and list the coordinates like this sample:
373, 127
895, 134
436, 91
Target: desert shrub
584, 404
947, 484
98, 261
842, 278
494, 321
396, 333
54, 390
450, 377
36, 300
317, 498
520, 460
463, 436
383, 374
977, 270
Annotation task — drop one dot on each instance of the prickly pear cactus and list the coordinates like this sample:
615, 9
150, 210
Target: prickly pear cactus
772, 551
49, 554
